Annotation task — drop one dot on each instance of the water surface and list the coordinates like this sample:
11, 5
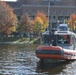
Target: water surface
21, 60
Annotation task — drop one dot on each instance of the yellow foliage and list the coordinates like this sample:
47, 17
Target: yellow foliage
12, 28
72, 21
40, 21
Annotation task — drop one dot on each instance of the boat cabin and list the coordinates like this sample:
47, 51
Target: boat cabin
63, 27
66, 39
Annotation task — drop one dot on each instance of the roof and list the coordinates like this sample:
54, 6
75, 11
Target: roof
63, 25
63, 33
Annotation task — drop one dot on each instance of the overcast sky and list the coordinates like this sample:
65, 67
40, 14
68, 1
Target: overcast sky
9, 0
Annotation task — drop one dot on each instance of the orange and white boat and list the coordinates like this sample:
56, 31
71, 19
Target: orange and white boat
64, 48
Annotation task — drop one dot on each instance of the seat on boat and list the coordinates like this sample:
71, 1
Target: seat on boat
66, 42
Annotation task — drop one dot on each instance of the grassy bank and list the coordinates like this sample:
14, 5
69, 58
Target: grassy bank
12, 39
19, 40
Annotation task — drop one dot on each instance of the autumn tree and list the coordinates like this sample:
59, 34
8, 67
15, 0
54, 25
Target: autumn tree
72, 22
8, 20
40, 22
25, 23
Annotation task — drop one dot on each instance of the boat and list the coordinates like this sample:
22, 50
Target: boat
64, 48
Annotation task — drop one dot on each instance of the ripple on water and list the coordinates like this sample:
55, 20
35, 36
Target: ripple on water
21, 60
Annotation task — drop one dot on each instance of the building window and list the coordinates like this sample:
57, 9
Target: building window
54, 11
32, 17
47, 0
60, 17
61, 11
26, 11
67, 11
57, 0
51, 0
52, 3
54, 17
66, 17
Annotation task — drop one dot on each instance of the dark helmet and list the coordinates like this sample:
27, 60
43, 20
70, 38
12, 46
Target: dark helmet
53, 29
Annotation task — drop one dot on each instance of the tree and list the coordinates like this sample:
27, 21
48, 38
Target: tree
8, 20
40, 22
25, 23
72, 21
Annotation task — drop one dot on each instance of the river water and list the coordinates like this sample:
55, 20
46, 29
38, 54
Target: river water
21, 60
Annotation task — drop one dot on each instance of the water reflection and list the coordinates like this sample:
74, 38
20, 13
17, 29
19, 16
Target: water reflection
53, 68
17, 59
21, 60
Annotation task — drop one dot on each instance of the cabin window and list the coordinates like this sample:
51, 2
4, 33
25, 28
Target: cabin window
63, 28
63, 39
73, 40
46, 39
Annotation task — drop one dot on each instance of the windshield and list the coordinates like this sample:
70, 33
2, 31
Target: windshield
63, 28
63, 39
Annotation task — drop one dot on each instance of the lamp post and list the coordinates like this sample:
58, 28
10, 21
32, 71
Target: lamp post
49, 27
48, 14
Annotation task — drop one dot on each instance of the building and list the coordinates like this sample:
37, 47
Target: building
57, 10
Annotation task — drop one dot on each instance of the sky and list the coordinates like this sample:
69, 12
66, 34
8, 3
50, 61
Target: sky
9, 0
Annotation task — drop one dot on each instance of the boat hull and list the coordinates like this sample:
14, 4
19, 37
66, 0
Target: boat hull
55, 52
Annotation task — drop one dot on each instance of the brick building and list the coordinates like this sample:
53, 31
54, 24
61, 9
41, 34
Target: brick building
58, 9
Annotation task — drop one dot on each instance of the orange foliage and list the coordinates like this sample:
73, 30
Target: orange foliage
25, 23
72, 21
43, 17
41, 21
7, 18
